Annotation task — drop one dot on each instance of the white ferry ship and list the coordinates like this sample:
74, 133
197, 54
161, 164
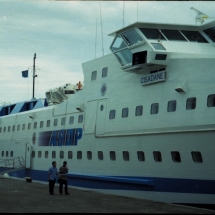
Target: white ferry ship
142, 125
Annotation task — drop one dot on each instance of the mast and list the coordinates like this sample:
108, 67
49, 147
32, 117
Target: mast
34, 76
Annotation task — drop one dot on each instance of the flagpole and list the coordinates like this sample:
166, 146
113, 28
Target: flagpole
34, 76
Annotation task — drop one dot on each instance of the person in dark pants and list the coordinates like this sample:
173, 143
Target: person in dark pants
63, 178
52, 176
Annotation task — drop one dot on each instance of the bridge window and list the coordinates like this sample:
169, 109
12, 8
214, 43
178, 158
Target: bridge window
29, 125
23, 127
211, 100
55, 122
11, 153
8, 129
41, 124
18, 127
171, 106
131, 37
35, 124
211, 33
154, 108
89, 155
194, 36
33, 154
79, 155
118, 43
158, 46
61, 154
139, 110
197, 157
124, 57
93, 76
104, 72
124, 112
125, 155
100, 155
113, 155
112, 114
63, 120
176, 156
71, 120
191, 103
153, 34
141, 156
46, 154
157, 156
69, 154
173, 35
39, 154
53, 154
80, 118
48, 122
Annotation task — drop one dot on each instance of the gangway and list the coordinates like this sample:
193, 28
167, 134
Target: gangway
11, 165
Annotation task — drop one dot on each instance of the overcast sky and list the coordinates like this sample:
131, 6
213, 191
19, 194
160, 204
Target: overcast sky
62, 34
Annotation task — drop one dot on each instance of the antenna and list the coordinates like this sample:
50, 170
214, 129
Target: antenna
137, 11
123, 12
101, 28
200, 17
34, 76
96, 38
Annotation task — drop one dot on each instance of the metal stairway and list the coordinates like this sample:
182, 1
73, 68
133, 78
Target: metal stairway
11, 165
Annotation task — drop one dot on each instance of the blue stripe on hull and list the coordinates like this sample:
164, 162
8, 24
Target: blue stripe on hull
128, 183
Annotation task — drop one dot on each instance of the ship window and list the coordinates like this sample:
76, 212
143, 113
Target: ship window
39, 154
0, 129
69, 154
113, 155
46, 154
71, 120
8, 129
23, 127
13, 128
171, 106
197, 157
41, 124
33, 154
104, 72
29, 125
34, 138
80, 118
211, 33
18, 127
124, 57
4, 129
139, 110
118, 44
61, 154
53, 154
35, 124
141, 156
191, 103
154, 108
157, 156
89, 155
176, 156
63, 120
79, 155
131, 37
55, 122
211, 100
174, 35
93, 76
2, 153
158, 46
112, 114
100, 155
194, 36
125, 155
124, 112
11, 153
48, 122
152, 34
6, 153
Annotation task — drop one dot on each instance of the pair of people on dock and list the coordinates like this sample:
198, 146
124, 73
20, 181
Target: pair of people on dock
53, 174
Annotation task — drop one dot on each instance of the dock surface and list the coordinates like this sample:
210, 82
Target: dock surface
19, 196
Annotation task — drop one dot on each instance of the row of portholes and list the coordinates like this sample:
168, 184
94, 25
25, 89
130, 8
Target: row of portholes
6, 154
176, 157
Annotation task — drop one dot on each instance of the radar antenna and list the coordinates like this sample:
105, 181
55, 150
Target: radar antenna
200, 17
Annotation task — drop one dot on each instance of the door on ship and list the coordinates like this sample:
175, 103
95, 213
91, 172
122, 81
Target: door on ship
27, 155
100, 118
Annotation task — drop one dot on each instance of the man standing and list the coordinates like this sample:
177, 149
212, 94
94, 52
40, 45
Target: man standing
63, 178
52, 176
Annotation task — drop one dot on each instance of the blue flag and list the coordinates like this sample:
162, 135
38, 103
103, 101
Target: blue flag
25, 74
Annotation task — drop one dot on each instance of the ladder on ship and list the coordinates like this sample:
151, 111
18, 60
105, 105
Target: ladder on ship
11, 165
